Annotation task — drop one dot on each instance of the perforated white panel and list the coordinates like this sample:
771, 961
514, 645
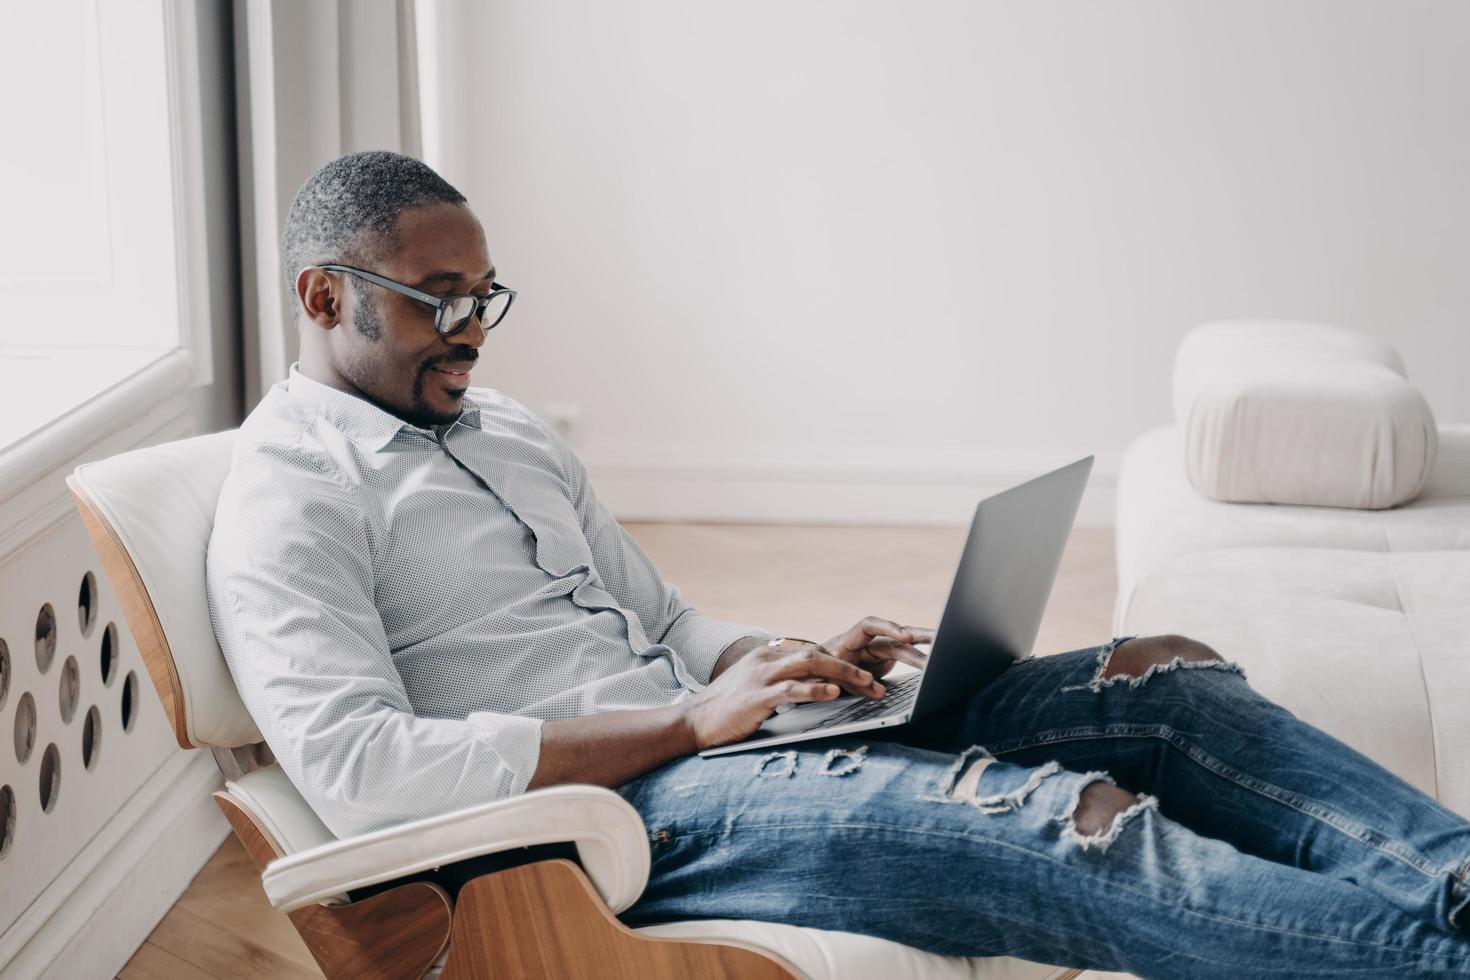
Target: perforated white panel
51, 802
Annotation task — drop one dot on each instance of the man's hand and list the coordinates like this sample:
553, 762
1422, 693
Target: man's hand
877, 644
744, 695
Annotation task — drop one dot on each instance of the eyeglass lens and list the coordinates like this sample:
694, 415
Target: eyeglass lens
461, 308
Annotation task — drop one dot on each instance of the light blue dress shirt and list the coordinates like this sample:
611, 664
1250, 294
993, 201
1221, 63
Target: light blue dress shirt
401, 608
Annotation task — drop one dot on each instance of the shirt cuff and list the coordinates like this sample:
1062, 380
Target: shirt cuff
516, 742
699, 641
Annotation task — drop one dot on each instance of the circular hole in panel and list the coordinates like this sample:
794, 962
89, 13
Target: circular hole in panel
4, 672
109, 654
50, 777
91, 737
129, 700
7, 819
45, 637
87, 603
25, 727
71, 687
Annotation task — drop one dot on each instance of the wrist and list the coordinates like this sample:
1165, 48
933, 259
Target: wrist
791, 641
685, 725
733, 653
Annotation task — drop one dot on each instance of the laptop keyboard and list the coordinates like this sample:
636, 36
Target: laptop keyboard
900, 697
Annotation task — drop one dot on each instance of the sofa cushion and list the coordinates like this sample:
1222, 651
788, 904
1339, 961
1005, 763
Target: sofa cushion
1160, 516
1299, 413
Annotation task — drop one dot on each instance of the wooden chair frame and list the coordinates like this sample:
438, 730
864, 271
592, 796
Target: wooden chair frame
542, 919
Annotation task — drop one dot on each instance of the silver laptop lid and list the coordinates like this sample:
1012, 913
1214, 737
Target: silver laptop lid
1002, 584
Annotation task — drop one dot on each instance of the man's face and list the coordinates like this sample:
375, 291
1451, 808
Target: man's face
385, 345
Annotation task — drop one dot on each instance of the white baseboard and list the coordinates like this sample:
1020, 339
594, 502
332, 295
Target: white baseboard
803, 494
96, 913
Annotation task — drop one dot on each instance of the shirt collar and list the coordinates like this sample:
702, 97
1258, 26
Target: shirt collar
367, 425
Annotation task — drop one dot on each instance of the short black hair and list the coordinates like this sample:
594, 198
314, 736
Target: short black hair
352, 204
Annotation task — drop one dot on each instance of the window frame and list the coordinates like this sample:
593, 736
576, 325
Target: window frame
140, 391
186, 132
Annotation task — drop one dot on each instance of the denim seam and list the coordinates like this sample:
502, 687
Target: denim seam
1208, 762
1081, 871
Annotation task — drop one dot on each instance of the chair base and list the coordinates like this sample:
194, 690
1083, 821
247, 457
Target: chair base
538, 920
394, 935
545, 920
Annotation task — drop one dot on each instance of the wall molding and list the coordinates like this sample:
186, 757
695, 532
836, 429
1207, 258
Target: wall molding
186, 150
778, 492
96, 913
143, 394
37, 502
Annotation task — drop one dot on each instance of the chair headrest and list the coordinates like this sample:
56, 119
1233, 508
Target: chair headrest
150, 513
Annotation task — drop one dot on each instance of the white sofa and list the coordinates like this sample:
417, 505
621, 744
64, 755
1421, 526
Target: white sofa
1357, 621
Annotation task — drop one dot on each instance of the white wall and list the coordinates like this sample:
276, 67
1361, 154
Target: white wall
855, 259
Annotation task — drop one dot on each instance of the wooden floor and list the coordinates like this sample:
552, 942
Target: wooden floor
804, 581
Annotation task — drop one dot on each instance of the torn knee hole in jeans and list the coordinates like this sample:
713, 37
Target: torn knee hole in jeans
1105, 654
961, 784
1103, 839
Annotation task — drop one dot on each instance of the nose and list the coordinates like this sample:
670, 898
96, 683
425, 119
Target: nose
472, 335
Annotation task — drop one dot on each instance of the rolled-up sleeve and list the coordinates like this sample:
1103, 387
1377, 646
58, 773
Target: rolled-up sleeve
291, 584
631, 578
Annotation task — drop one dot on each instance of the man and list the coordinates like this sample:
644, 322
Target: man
425, 607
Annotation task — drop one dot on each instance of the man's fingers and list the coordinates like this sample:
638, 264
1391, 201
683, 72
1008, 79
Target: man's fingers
902, 652
813, 662
872, 627
920, 634
799, 692
858, 636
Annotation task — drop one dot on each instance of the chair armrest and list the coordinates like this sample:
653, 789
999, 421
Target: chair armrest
608, 833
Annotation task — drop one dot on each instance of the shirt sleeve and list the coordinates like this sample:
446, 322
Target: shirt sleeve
290, 580
630, 577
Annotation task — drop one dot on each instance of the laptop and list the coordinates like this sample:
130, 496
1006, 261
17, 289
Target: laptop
991, 620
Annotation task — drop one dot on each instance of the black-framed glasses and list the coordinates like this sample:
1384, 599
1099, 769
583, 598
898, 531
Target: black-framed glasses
452, 312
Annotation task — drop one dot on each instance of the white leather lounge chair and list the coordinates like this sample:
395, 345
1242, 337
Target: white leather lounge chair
149, 512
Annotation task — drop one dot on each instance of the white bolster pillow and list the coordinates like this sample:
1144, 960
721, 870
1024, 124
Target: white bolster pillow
1281, 412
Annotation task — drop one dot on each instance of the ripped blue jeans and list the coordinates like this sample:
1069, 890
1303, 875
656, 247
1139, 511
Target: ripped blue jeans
1258, 846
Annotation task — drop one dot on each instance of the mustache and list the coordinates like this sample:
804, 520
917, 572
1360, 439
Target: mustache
468, 356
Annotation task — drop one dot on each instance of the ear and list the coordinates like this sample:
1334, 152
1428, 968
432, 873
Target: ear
319, 294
